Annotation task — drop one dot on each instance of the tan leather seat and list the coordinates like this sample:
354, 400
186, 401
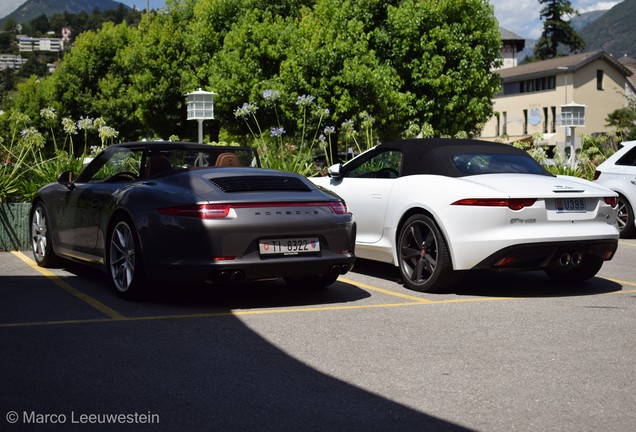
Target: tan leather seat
227, 160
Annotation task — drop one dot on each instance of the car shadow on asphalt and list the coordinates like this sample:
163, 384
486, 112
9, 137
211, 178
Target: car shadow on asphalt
499, 284
67, 360
206, 297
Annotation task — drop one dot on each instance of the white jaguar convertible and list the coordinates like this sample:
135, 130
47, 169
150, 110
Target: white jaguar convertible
439, 207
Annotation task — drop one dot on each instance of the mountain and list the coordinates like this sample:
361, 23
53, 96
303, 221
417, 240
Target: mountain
613, 31
31, 9
580, 21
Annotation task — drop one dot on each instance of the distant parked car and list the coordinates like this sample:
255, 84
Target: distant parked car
438, 207
145, 212
618, 173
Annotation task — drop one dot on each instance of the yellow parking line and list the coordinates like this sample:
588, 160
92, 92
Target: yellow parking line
212, 314
383, 291
113, 314
622, 282
622, 243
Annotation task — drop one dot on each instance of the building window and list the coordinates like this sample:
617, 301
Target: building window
525, 122
599, 79
505, 123
553, 122
534, 85
498, 117
545, 120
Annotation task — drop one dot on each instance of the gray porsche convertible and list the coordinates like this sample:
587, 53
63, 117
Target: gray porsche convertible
150, 211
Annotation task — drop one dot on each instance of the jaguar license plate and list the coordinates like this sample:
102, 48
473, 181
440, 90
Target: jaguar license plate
571, 205
289, 246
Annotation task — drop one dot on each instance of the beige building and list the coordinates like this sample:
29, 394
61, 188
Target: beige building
30, 44
534, 95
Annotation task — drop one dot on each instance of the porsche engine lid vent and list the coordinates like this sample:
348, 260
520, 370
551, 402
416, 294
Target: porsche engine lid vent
259, 183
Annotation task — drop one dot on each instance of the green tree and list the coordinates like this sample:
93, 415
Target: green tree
624, 120
384, 64
443, 53
333, 58
406, 61
40, 25
557, 32
10, 25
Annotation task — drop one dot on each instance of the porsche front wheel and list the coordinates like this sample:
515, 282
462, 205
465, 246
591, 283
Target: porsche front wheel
124, 260
423, 255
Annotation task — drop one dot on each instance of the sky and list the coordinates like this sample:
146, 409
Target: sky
518, 16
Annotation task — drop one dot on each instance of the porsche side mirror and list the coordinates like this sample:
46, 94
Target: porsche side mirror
335, 170
66, 178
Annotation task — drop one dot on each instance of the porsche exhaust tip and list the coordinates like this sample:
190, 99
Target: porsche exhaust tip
230, 276
339, 269
577, 257
237, 275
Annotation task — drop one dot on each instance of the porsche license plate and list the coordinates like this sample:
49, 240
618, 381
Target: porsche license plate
289, 246
571, 205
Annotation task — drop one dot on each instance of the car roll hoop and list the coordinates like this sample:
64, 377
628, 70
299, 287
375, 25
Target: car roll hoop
157, 164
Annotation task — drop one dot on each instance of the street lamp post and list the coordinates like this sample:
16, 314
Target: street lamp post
573, 116
200, 108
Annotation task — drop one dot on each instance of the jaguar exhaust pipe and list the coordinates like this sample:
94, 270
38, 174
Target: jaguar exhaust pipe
577, 257
565, 259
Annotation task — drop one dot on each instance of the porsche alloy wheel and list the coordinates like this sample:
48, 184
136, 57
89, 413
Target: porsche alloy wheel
41, 238
124, 260
423, 256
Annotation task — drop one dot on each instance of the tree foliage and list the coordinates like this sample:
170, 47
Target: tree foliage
557, 32
624, 119
400, 62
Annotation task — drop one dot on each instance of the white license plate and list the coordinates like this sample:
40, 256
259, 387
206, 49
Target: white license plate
289, 246
571, 205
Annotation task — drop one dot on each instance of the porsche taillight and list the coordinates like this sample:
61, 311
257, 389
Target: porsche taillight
338, 207
219, 211
201, 211
511, 203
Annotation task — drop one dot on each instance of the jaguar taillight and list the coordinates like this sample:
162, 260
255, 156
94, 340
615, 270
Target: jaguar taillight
511, 203
611, 201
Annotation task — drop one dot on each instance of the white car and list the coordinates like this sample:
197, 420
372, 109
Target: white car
438, 207
618, 173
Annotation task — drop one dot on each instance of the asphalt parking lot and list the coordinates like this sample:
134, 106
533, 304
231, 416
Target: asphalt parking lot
503, 352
